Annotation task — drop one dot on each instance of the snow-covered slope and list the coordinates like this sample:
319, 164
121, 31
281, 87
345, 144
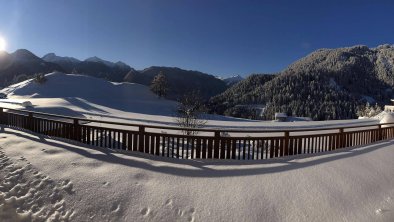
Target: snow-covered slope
86, 92
46, 180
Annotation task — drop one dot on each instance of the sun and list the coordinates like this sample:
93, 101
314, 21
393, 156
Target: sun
3, 44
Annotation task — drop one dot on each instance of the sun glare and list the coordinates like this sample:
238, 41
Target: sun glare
2, 44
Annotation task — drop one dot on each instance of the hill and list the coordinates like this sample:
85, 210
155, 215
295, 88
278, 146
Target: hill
180, 81
326, 84
86, 93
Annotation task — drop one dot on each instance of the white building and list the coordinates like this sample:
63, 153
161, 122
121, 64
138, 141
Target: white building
389, 108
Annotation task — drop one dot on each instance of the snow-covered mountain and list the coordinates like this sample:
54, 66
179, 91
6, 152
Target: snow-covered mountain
97, 59
52, 57
233, 80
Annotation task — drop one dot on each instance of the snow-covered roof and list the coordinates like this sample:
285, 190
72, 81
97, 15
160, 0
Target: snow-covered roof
280, 115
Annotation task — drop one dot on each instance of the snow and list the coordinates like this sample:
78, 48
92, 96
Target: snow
44, 179
19, 102
233, 79
387, 118
93, 98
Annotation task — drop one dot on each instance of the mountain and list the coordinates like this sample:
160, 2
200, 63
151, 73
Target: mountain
97, 59
233, 80
22, 64
67, 63
114, 73
180, 81
326, 84
92, 66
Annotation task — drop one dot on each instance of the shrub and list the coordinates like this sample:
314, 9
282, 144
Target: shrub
40, 78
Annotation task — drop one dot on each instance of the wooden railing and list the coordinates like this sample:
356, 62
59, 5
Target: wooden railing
206, 144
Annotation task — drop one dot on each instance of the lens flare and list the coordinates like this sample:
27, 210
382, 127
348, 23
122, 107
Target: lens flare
3, 44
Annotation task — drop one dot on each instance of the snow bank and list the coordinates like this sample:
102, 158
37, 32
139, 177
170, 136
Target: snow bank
387, 118
122, 96
18, 102
43, 178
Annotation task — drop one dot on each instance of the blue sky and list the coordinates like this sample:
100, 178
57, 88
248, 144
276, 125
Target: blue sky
220, 37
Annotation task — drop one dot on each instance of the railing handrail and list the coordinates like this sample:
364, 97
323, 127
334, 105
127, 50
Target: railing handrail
213, 130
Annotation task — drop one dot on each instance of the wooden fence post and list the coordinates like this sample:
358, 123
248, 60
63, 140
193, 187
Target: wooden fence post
141, 141
341, 138
30, 122
380, 137
76, 132
286, 144
2, 117
216, 145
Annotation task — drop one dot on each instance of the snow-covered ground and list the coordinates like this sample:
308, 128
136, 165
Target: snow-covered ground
92, 98
43, 179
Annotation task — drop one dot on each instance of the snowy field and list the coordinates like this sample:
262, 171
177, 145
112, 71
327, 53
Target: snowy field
45, 179
92, 98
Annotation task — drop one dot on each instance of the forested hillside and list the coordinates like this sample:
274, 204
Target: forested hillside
327, 84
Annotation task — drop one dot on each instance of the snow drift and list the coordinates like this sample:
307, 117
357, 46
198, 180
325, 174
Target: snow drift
79, 88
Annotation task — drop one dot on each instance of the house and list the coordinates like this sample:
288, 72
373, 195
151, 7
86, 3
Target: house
389, 108
281, 117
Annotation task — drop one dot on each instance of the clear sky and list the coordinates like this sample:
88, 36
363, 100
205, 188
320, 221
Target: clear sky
220, 37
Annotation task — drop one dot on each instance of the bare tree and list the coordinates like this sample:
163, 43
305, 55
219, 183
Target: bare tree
159, 85
189, 112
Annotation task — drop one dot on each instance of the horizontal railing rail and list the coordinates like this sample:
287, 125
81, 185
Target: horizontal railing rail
219, 144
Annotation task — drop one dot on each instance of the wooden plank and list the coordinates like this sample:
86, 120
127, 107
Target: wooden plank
210, 148
157, 145
168, 146
198, 149
228, 148
272, 147
204, 148
173, 146
222, 148
177, 147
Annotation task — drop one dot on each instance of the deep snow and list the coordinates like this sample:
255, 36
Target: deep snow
43, 178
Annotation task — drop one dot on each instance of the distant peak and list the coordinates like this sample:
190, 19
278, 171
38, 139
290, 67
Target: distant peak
24, 54
52, 57
97, 59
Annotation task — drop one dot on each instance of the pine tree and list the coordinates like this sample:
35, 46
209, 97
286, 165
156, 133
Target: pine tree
159, 85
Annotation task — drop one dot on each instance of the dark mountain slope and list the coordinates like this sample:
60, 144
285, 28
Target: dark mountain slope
180, 81
22, 64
